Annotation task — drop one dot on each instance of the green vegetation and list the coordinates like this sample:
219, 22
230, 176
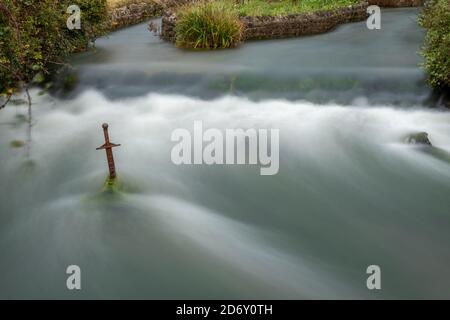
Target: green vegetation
17, 144
215, 23
112, 185
286, 7
436, 51
34, 37
208, 25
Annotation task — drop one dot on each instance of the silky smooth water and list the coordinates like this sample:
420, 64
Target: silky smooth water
350, 193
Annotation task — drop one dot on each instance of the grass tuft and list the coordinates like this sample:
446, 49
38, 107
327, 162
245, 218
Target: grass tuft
208, 25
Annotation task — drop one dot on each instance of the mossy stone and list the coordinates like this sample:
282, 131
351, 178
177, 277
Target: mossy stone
418, 138
17, 144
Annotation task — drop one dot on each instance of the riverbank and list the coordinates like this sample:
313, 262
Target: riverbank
36, 38
267, 26
343, 66
129, 12
273, 27
124, 13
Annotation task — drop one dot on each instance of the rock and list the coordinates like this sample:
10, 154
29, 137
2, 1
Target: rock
134, 13
17, 144
418, 138
425, 146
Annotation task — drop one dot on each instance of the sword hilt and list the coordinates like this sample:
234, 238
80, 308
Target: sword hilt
107, 143
105, 132
109, 155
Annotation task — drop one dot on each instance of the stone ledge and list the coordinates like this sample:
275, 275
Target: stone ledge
134, 13
269, 27
303, 24
397, 3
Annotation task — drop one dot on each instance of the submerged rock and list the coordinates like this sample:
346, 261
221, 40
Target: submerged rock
17, 144
421, 139
418, 138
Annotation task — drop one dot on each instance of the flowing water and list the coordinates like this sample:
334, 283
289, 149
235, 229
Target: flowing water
350, 193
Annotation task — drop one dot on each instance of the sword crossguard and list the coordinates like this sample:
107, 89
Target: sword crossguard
108, 146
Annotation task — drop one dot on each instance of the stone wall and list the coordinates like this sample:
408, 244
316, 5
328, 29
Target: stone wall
397, 3
302, 24
282, 27
296, 24
134, 13
168, 22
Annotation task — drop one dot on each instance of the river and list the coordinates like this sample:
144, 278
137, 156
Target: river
349, 193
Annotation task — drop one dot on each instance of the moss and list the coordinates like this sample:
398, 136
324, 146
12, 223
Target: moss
418, 138
17, 144
112, 186
422, 143
70, 81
